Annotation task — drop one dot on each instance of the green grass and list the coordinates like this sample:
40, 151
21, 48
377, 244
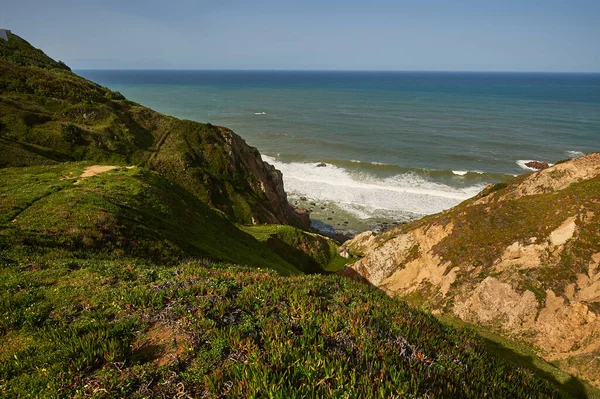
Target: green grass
135, 213
316, 252
99, 301
100, 328
50, 115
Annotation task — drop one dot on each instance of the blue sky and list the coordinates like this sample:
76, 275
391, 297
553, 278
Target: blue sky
434, 35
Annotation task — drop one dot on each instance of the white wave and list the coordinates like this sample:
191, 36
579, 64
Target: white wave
378, 163
260, 113
355, 161
522, 163
574, 154
364, 195
465, 172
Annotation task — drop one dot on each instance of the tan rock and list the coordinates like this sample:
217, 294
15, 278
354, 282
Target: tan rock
558, 176
523, 256
564, 232
494, 301
560, 327
504, 293
390, 266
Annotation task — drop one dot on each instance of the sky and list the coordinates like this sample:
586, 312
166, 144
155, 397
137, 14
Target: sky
424, 35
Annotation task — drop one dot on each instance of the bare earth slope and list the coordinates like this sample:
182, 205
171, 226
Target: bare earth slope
522, 258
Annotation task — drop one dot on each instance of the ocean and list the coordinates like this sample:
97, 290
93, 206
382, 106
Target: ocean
397, 145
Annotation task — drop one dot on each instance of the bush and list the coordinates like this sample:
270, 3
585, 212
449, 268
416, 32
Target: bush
114, 95
72, 134
64, 66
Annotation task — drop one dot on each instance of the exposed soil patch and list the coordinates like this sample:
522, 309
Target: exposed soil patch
162, 344
95, 170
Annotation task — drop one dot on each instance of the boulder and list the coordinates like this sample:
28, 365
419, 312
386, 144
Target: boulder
539, 165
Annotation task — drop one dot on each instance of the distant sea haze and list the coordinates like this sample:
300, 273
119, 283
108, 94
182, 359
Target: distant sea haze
398, 145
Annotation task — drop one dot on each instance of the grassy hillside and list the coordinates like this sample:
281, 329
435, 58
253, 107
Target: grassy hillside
119, 231
50, 115
50, 212
98, 303
129, 328
318, 253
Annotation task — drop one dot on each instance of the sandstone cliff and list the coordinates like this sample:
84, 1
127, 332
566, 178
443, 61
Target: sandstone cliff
522, 257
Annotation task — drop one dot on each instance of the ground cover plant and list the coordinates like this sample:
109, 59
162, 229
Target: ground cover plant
145, 280
98, 328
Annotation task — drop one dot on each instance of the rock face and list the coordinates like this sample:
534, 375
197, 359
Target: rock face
269, 181
522, 257
537, 165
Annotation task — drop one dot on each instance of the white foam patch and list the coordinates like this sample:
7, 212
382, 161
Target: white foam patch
364, 195
460, 172
574, 154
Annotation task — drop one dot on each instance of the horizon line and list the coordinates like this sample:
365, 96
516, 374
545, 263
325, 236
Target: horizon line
334, 70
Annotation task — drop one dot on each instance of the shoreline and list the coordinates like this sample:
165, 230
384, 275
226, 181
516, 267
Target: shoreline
331, 220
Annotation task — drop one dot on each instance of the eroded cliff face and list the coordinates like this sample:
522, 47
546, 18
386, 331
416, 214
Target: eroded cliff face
268, 182
523, 258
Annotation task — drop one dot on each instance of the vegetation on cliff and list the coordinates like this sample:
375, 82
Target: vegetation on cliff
117, 280
50, 115
522, 258
129, 328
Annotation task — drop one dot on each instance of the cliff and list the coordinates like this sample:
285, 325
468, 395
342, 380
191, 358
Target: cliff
49, 115
120, 262
521, 258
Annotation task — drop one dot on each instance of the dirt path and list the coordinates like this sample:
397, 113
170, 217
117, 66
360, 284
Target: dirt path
95, 170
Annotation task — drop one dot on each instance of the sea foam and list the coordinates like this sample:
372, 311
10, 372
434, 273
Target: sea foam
574, 154
366, 195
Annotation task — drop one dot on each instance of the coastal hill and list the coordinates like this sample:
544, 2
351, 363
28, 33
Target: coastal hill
135, 262
49, 115
522, 259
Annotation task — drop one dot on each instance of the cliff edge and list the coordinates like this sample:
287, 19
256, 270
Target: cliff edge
49, 115
521, 258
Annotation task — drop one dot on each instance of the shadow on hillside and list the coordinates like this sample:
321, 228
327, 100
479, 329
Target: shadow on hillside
573, 387
294, 256
45, 153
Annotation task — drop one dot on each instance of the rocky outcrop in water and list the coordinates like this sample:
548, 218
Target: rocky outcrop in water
537, 165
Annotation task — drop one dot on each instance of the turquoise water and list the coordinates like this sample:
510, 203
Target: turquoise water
398, 145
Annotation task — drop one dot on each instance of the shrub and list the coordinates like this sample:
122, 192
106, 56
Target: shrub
72, 134
114, 95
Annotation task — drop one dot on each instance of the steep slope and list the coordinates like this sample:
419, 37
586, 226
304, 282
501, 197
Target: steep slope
523, 258
50, 115
129, 328
77, 211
